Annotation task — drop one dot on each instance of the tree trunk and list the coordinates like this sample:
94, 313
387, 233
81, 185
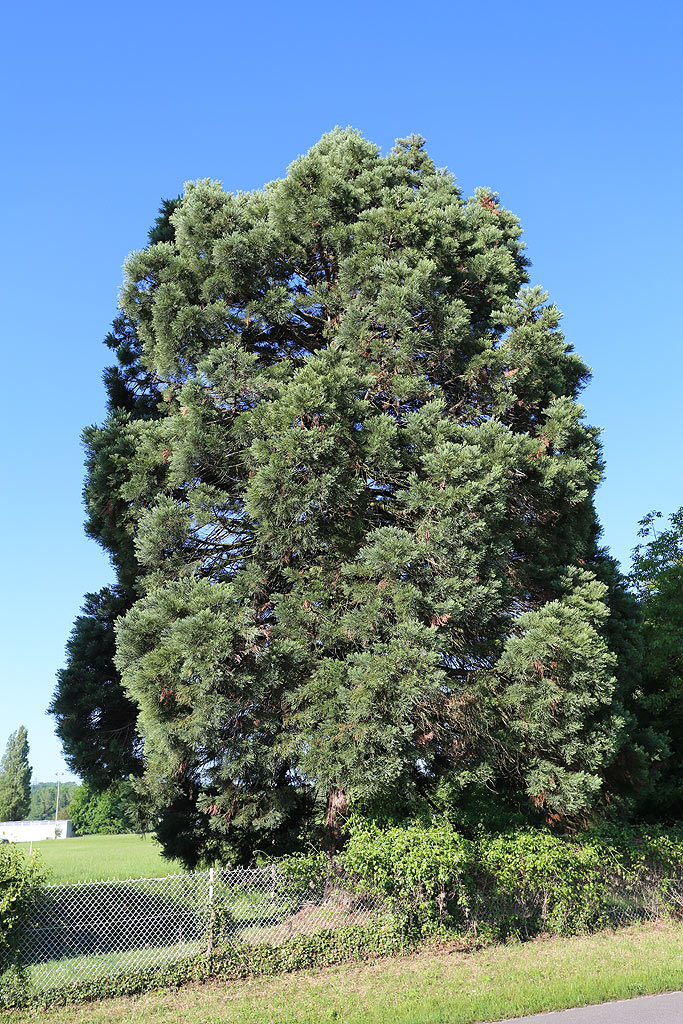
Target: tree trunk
335, 815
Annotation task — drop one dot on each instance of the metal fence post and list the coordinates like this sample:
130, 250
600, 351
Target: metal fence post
209, 948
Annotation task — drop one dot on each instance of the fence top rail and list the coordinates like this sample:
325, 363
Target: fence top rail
120, 881
220, 873
237, 875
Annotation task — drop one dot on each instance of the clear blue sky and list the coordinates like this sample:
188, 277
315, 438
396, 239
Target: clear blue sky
571, 111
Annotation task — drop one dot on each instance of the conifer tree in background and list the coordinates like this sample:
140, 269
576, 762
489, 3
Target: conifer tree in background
366, 551
96, 721
43, 803
15, 778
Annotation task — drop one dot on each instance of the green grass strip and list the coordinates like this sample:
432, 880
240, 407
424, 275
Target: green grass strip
86, 857
432, 986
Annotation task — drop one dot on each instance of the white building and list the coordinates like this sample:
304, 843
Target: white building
25, 831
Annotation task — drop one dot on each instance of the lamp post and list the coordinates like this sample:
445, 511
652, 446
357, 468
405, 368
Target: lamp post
60, 775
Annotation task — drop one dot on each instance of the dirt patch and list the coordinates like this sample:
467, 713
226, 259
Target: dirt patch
330, 915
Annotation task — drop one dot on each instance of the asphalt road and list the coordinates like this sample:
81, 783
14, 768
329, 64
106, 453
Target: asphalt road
665, 1009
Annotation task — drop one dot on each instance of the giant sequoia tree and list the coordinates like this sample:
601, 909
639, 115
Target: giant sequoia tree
365, 544
95, 719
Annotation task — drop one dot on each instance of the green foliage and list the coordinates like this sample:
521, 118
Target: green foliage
162, 229
519, 882
424, 870
95, 719
558, 674
546, 883
304, 869
348, 490
657, 579
15, 778
20, 881
103, 812
44, 800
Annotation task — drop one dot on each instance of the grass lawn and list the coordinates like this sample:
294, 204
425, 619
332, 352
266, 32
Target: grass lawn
432, 987
129, 856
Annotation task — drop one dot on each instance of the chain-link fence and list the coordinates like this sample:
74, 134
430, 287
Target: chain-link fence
83, 931
497, 912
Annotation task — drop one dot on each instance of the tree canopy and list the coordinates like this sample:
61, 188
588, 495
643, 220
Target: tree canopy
349, 486
657, 578
44, 800
104, 811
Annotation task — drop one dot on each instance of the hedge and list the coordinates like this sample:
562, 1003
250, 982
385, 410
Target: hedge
517, 883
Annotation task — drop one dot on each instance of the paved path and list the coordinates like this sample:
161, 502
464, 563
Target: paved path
665, 1009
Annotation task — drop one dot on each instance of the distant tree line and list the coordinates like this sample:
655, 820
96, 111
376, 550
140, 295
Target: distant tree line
44, 800
346, 486
91, 811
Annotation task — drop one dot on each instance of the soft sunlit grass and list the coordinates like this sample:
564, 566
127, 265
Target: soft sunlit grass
128, 856
433, 987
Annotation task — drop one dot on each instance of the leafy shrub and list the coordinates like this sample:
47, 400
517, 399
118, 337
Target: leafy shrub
653, 852
518, 882
536, 881
426, 871
20, 880
305, 869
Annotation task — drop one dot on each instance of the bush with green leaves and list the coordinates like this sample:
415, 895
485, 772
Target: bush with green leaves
426, 871
519, 882
20, 880
544, 882
650, 853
